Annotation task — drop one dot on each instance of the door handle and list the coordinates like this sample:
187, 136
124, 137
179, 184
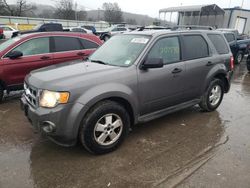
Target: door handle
209, 63
81, 54
176, 70
45, 57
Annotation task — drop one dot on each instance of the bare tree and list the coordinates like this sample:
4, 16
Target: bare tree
65, 10
112, 12
20, 8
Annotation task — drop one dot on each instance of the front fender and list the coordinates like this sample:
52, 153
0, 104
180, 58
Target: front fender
109, 90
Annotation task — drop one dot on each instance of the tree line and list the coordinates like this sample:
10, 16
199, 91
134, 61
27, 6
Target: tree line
63, 9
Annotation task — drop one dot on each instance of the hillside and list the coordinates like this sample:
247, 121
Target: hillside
128, 17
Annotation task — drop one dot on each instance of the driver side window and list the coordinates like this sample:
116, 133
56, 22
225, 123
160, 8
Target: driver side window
167, 48
34, 46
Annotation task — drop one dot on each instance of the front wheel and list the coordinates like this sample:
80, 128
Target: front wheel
1, 93
104, 127
213, 96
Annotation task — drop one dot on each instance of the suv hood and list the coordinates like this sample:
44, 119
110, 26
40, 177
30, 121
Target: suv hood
69, 75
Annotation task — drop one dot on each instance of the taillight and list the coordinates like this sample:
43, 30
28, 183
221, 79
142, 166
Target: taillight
232, 62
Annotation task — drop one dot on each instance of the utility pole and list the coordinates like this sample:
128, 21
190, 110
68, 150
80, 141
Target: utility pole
75, 10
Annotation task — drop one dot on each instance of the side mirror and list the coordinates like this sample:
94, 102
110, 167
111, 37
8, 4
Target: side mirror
150, 63
14, 54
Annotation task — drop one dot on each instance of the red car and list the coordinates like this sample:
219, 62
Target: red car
22, 54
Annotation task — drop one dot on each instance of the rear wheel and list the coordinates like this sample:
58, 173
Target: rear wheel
213, 96
106, 37
248, 63
239, 57
1, 93
104, 127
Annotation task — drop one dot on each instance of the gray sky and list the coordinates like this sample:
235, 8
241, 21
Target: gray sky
152, 7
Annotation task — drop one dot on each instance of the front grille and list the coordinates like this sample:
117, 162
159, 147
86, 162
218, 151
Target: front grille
31, 95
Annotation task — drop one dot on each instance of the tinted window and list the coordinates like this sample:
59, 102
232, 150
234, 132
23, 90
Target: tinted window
219, 43
34, 46
88, 44
63, 44
168, 49
195, 47
229, 37
121, 29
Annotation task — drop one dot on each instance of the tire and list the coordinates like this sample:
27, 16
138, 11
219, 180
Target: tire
209, 103
1, 93
105, 120
248, 63
239, 57
106, 37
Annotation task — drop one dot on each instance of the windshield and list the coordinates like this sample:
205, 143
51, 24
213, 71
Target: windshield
8, 43
120, 50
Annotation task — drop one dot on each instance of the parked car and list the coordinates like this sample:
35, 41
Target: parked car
111, 31
80, 30
239, 48
8, 31
45, 27
89, 27
1, 34
22, 54
132, 78
248, 63
235, 31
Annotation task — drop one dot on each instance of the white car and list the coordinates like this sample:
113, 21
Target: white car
80, 30
8, 31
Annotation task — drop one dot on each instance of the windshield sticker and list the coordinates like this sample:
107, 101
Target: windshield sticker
139, 40
127, 62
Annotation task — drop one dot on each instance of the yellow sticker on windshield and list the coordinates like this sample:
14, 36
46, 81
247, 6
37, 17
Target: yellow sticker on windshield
139, 40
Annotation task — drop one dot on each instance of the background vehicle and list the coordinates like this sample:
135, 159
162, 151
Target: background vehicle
132, 78
111, 31
22, 54
239, 48
248, 63
9, 31
236, 32
80, 30
46, 27
89, 27
1, 34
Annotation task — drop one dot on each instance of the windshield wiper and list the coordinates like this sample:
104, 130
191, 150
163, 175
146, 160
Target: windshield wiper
98, 61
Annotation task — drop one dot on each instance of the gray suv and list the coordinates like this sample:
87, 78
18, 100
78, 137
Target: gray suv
133, 78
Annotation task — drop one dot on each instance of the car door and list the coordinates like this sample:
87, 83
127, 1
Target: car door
198, 63
67, 49
36, 54
162, 87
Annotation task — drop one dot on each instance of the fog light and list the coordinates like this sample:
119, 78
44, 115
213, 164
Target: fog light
48, 127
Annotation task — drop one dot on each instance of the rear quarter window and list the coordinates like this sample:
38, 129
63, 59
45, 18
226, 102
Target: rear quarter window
88, 44
219, 43
195, 47
230, 37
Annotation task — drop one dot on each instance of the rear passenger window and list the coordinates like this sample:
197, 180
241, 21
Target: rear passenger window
167, 48
219, 43
195, 47
88, 44
229, 37
63, 44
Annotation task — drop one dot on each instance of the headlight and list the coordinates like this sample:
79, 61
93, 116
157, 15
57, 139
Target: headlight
50, 99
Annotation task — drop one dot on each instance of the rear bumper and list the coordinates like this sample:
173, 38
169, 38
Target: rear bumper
60, 124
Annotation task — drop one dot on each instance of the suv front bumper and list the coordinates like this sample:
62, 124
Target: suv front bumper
60, 124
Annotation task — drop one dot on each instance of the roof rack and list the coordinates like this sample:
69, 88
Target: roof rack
177, 27
192, 27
